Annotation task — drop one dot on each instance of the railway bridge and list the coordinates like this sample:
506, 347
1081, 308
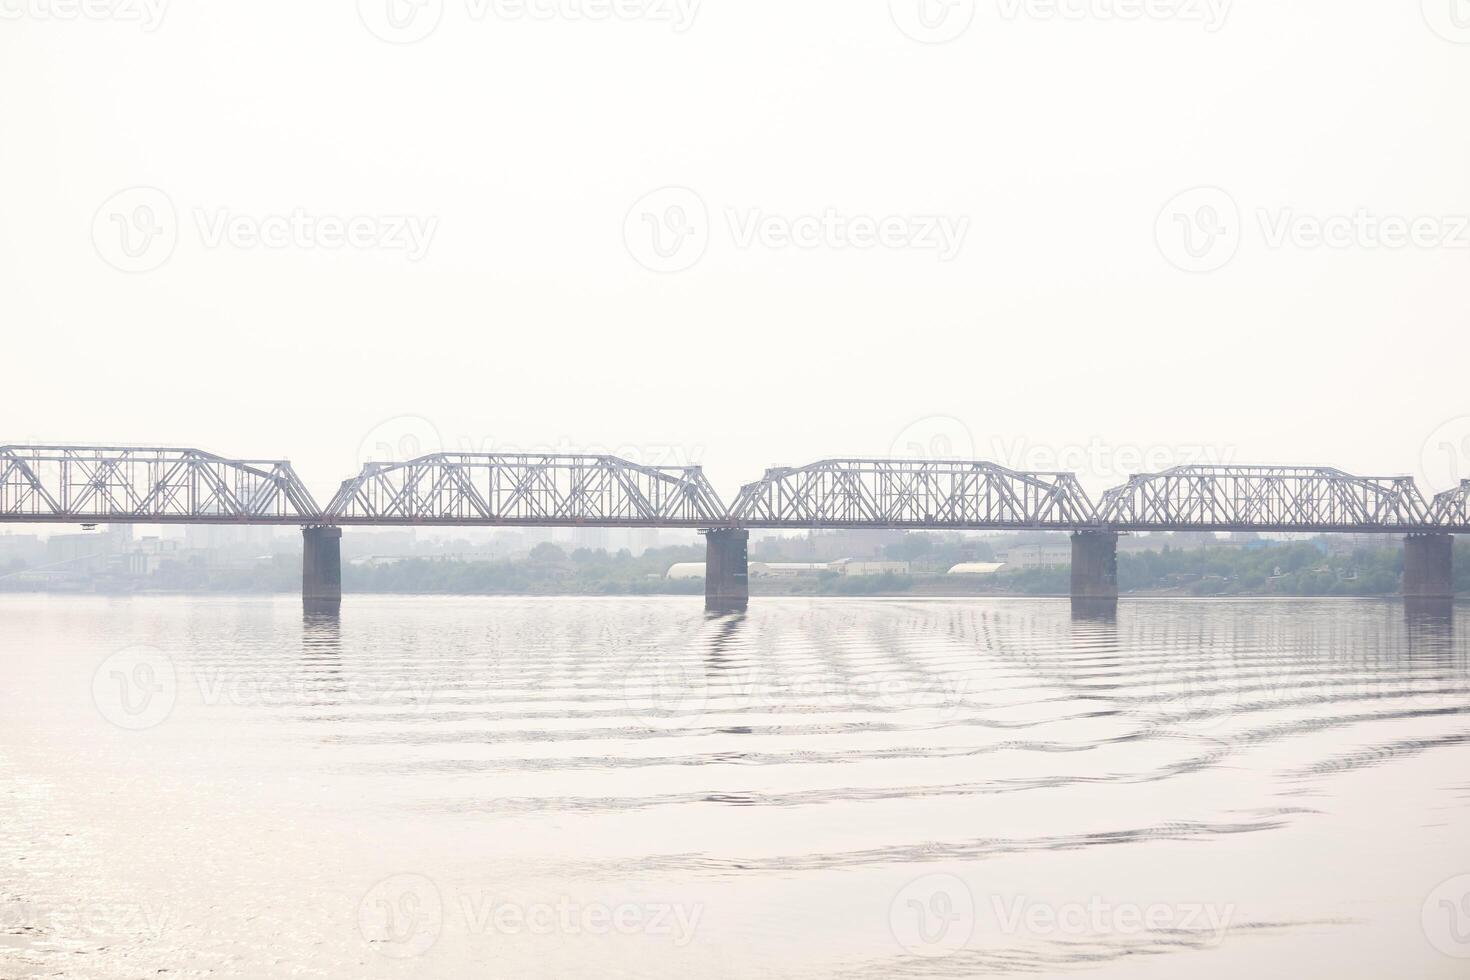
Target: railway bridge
153, 485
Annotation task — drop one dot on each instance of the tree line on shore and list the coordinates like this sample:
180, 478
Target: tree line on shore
1287, 569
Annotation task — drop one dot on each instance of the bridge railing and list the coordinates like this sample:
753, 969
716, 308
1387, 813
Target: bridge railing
1266, 498
147, 485
957, 495
527, 490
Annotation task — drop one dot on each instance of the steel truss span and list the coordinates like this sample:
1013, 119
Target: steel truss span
1265, 498
94, 484
854, 493
534, 491
1452, 508
150, 485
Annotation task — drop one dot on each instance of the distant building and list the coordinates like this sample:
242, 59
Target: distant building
788, 569
1346, 544
832, 545
798, 569
977, 568
150, 553
82, 554
227, 537
857, 567
26, 548
1038, 556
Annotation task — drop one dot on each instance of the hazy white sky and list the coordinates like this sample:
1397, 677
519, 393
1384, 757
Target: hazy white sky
1001, 251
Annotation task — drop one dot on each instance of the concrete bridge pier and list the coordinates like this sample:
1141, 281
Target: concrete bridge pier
1095, 572
726, 570
321, 569
1429, 567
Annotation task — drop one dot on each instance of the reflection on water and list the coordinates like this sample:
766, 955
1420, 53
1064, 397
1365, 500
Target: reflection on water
935, 788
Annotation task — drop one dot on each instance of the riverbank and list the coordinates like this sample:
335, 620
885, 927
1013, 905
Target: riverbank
1292, 569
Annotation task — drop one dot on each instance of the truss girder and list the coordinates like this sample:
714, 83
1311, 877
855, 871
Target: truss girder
528, 490
912, 494
1452, 508
149, 485
145, 485
1265, 498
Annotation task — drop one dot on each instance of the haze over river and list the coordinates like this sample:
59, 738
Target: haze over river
471, 787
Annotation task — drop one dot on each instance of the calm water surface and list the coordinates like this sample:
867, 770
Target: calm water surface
429, 787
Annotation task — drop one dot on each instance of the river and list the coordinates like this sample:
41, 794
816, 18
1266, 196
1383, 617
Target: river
468, 787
